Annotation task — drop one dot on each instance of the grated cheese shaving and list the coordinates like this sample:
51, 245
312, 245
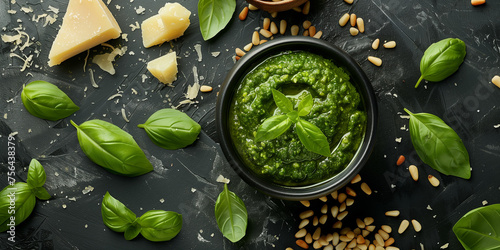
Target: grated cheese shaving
92, 80
11, 12
27, 61
197, 47
27, 9
54, 9
140, 10
215, 54
124, 115
105, 61
135, 26
222, 179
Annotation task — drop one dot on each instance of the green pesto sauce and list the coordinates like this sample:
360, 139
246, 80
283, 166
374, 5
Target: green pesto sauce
336, 112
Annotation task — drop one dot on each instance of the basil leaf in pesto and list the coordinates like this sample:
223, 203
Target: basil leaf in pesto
479, 229
273, 127
171, 129
438, 145
305, 106
45, 100
283, 103
313, 139
231, 215
214, 15
117, 216
441, 60
112, 148
159, 225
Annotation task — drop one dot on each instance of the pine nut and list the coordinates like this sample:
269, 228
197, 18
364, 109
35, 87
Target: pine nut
368, 221
266, 33
329, 237
328, 247
317, 245
361, 24
360, 223
344, 238
274, 28
389, 242
496, 80
477, 2
390, 45
282, 27
363, 247
416, 225
312, 31
341, 246
252, 7
255, 38
344, 19
205, 88
356, 179
379, 239
315, 221
239, 52
370, 228
375, 60
371, 247
335, 195
318, 34
375, 44
360, 239
294, 30
306, 24
302, 244
386, 228
379, 248
365, 233
354, 31
352, 244
433, 180
248, 47
353, 19
357, 231
301, 233
274, 14
317, 233
323, 199
366, 188
413, 172
384, 235
309, 238
342, 215
266, 23
335, 238
392, 213
342, 207
306, 203
288, 248
306, 33
324, 209
334, 211
306, 214
303, 223
341, 198
262, 41
400, 160
403, 226
297, 9
337, 225
323, 219
349, 1
243, 14
349, 202
237, 58
344, 231
306, 8
391, 248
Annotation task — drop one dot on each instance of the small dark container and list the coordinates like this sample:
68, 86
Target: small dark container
249, 62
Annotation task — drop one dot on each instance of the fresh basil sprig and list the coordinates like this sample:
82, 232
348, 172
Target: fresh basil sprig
214, 15
154, 225
480, 228
441, 60
24, 197
231, 215
171, 129
45, 100
438, 145
112, 148
311, 136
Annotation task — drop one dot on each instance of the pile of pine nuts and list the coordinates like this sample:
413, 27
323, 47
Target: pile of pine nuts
271, 28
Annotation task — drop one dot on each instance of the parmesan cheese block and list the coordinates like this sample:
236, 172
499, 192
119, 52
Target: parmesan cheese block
87, 23
164, 68
170, 23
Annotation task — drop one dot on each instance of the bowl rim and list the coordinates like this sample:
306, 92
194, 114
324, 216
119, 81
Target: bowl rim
252, 59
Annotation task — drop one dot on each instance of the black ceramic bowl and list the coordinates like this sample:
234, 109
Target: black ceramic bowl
249, 62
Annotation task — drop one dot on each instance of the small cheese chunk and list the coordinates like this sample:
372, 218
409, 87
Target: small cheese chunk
170, 23
164, 68
87, 23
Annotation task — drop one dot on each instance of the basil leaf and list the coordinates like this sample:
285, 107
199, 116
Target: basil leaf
41, 193
214, 15
273, 127
115, 215
293, 115
438, 145
112, 148
306, 105
283, 103
158, 225
36, 174
133, 230
313, 139
171, 129
24, 201
231, 215
441, 60
479, 229
45, 100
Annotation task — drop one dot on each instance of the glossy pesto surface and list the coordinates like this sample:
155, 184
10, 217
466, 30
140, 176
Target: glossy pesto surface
336, 111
